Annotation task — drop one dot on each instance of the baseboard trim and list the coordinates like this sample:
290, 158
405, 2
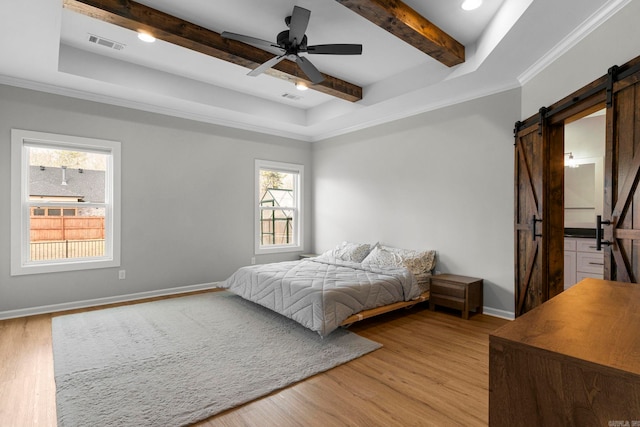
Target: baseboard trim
503, 314
54, 308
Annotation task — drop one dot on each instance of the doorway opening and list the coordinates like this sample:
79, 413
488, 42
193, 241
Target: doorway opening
584, 152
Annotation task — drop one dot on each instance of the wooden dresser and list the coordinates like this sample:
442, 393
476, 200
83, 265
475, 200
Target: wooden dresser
572, 361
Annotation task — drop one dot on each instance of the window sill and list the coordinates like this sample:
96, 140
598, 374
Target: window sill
278, 250
79, 265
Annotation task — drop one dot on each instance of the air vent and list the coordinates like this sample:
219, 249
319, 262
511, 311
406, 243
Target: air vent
291, 96
105, 42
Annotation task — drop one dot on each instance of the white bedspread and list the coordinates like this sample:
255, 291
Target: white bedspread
320, 293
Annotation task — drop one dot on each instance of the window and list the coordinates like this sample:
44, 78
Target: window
65, 203
278, 207
38, 211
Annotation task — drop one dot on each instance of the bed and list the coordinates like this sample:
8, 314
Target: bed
344, 285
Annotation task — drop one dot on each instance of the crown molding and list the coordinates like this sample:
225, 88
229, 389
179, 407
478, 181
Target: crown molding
594, 21
150, 108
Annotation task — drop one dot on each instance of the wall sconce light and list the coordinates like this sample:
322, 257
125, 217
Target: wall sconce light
571, 162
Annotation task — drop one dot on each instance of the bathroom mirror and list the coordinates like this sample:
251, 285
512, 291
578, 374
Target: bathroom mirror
583, 192
579, 186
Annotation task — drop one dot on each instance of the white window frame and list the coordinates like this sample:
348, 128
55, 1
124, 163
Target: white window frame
20, 203
297, 243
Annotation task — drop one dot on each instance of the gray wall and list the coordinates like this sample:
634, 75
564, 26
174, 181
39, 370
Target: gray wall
441, 180
187, 198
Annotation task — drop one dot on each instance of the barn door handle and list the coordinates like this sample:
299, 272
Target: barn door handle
599, 241
535, 220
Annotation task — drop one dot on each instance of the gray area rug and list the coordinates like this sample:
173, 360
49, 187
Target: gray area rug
177, 361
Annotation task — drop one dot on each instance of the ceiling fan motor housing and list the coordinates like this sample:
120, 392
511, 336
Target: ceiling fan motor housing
283, 42
293, 41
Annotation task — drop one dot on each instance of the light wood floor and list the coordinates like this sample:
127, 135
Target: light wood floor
432, 370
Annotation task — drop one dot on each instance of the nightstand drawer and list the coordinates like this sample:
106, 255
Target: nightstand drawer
440, 287
447, 301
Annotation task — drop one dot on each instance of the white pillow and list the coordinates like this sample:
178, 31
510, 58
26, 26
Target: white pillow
348, 251
417, 262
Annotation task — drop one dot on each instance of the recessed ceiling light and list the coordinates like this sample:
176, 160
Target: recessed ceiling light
301, 86
471, 4
146, 37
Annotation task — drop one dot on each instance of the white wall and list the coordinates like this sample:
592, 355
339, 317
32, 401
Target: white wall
613, 43
441, 180
187, 198
586, 138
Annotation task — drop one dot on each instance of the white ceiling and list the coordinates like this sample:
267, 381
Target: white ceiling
504, 39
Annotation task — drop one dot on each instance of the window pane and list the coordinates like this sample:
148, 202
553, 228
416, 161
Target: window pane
277, 188
276, 226
60, 175
65, 204
60, 237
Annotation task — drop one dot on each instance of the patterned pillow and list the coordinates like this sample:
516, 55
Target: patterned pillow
347, 251
382, 258
417, 262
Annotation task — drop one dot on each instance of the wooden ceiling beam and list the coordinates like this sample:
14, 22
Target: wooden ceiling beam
137, 17
407, 24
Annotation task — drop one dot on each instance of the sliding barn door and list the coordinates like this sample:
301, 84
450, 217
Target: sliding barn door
530, 149
621, 218
539, 213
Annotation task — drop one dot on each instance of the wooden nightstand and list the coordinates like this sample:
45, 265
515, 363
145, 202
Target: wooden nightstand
458, 292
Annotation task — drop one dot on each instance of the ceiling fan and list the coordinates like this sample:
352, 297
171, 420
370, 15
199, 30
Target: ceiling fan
290, 43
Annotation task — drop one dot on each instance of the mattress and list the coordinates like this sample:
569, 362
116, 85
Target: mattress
320, 293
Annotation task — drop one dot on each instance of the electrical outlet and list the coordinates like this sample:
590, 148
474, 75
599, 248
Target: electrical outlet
253, 260
122, 274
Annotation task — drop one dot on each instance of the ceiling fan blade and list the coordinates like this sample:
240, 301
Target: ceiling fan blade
298, 25
265, 66
309, 69
335, 49
263, 44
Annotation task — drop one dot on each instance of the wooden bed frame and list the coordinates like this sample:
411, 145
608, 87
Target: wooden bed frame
365, 314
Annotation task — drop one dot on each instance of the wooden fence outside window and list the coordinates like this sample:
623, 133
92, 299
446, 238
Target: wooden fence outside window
59, 237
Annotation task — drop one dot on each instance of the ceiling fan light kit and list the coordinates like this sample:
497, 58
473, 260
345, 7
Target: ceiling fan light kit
290, 43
